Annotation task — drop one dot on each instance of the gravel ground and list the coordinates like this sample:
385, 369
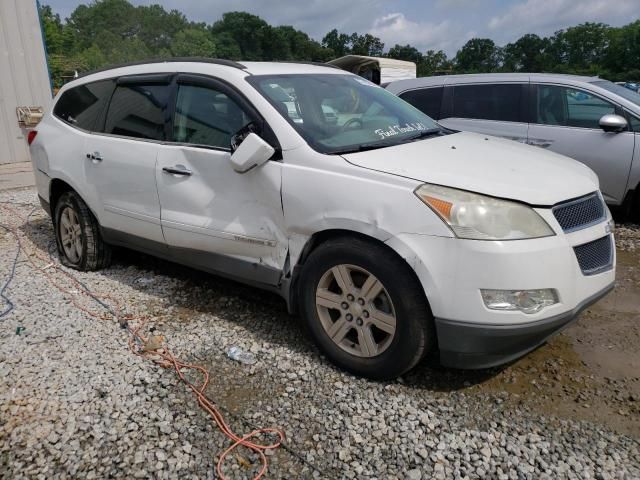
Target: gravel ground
75, 403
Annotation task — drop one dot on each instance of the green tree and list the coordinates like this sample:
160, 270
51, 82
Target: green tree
86, 22
227, 47
434, 62
53, 30
104, 32
366, 44
193, 42
478, 55
623, 53
301, 47
581, 48
247, 31
339, 43
158, 28
527, 54
405, 52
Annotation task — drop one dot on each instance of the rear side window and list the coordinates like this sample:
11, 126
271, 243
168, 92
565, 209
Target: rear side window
81, 106
427, 100
138, 111
488, 102
205, 116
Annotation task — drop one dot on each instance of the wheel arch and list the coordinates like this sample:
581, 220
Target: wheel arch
321, 237
59, 186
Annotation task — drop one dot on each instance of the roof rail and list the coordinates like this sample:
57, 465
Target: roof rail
303, 62
217, 61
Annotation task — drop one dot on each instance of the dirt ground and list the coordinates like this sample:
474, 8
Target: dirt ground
590, 372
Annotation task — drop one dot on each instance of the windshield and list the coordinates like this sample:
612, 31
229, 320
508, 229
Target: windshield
343, 113
619, 90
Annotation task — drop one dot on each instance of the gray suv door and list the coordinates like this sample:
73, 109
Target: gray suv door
566, 120
492, 108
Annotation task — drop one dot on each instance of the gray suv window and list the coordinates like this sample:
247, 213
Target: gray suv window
569, 107
427, 100
488, 102
82, 105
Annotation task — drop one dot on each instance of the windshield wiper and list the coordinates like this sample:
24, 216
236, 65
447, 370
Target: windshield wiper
424, 134
363, 148
375, 145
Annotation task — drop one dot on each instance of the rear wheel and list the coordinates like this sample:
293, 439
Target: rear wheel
365, 308
80, 244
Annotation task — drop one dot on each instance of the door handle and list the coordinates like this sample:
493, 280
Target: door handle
95, 156
177, 170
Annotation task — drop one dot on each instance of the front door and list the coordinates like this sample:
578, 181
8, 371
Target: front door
121, 162
566, 120
212, 216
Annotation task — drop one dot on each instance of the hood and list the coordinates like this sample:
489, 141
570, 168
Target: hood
484, 164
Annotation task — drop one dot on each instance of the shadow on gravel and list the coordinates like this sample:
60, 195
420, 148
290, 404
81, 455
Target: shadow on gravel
194, 292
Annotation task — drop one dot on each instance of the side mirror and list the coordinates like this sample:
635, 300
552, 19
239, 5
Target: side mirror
613, 123
252, 152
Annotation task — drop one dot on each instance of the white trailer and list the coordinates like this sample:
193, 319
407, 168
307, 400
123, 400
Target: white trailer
379, 70
25, 87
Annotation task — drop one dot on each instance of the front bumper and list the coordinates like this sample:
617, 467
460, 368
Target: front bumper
453, 271
474, 346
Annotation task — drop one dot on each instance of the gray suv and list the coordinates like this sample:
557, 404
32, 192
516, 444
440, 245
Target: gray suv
587, 118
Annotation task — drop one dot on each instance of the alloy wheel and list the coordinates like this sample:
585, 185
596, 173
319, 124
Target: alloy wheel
71, 235
355, 310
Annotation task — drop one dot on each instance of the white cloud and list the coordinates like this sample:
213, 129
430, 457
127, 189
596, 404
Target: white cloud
396, 28
546, 16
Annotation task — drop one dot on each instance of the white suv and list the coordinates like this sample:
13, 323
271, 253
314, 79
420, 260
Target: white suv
392, 236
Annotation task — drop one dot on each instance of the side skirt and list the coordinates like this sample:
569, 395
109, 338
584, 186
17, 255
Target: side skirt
250, 273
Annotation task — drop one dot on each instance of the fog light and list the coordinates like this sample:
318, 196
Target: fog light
527, 301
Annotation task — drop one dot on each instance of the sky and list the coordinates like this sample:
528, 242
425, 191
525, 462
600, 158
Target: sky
426, 24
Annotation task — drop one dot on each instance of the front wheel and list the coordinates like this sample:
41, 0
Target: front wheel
365, 308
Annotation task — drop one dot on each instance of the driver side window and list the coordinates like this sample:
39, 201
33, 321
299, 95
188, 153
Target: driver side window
205, 116
568, 107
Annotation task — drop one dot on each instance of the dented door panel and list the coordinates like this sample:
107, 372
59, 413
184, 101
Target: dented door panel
212, 209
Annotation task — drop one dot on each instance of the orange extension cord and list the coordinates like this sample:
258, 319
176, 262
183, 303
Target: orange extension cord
163, 356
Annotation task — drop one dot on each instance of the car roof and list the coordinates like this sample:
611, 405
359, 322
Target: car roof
206, 66
403, 85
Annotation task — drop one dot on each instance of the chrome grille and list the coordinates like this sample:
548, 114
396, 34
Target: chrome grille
596, 256
580, 213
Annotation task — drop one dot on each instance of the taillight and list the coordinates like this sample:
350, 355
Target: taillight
31, 136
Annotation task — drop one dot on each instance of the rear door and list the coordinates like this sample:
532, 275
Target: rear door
566, 120
491, 108
212, 216
121, 160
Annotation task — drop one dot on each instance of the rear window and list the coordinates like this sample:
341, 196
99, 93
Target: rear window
81, 106
488, 102
138, 111
427, 100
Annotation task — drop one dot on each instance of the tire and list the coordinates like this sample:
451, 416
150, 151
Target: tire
78, 237
360, 347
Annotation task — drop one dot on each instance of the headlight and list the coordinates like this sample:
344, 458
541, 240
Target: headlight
478, 217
